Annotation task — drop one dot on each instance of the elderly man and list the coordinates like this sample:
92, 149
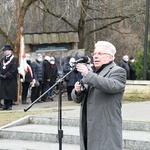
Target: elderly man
101, 120
8, 77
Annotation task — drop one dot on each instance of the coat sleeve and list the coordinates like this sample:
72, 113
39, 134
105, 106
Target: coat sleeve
113, 83
77, 98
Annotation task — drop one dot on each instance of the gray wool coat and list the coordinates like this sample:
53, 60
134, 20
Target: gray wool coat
102, 104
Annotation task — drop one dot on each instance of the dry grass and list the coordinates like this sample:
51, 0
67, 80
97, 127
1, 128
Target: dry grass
8, 117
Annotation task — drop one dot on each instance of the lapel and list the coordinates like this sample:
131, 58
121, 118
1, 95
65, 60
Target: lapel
107, 69
103, 73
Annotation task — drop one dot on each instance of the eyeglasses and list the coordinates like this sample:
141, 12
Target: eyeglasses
99, 54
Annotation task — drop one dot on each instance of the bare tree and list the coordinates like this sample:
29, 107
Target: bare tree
91, 18
113, 20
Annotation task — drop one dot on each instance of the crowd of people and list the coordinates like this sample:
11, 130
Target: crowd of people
44, 75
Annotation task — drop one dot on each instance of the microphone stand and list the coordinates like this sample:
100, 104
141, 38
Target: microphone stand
60, 131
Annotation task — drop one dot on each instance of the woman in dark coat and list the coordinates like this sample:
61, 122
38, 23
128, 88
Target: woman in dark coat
8, 78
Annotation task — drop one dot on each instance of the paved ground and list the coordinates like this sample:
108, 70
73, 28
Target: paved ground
135, 111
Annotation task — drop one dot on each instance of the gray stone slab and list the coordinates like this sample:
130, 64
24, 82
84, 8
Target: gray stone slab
45, 133
33, 145
49, 133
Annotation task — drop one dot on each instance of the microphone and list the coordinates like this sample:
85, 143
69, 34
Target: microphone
82, 60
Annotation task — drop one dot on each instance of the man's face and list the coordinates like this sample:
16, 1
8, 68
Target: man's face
100, 56
7, 52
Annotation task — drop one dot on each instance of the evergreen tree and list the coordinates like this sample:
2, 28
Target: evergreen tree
139, 64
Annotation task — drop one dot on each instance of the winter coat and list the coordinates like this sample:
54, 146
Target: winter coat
53, 74
133, 75
8, 86
38, 70
72, 78
46, 66
126, 66
101, 109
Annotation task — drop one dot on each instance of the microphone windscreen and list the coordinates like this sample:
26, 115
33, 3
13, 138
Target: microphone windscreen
85, 59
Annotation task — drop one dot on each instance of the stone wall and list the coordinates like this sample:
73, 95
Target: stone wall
137, 90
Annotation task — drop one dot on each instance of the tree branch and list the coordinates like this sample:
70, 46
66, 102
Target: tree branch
58, 16
6, 37
103, 27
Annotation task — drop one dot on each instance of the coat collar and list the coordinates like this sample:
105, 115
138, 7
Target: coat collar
105, 70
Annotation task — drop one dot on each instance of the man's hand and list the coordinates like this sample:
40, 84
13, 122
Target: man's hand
82, 68
77, 87
2, 76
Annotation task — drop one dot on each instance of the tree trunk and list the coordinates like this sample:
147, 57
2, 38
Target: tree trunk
82, 24
24, 8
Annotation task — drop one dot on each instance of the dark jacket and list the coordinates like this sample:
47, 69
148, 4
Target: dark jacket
46, 66
8, 86
133, 75
38, 70
125, 65
28, 77
73, 77
53, 74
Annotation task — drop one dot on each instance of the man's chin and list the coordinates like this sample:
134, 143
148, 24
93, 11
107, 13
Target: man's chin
97, 67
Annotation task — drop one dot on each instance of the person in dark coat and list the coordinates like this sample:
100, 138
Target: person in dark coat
46, 80
124, 63
72, 78
101, 101
133, 75
38, 75
53, 77
26, 82
8, 77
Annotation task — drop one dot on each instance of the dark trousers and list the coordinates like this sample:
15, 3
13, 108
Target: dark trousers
69, 90
45, 87
25, 87
36, 92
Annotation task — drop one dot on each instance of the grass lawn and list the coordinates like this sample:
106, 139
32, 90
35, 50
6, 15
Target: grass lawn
8, 117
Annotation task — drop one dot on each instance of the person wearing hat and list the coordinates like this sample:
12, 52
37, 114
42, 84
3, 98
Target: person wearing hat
8, 77
101, 102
